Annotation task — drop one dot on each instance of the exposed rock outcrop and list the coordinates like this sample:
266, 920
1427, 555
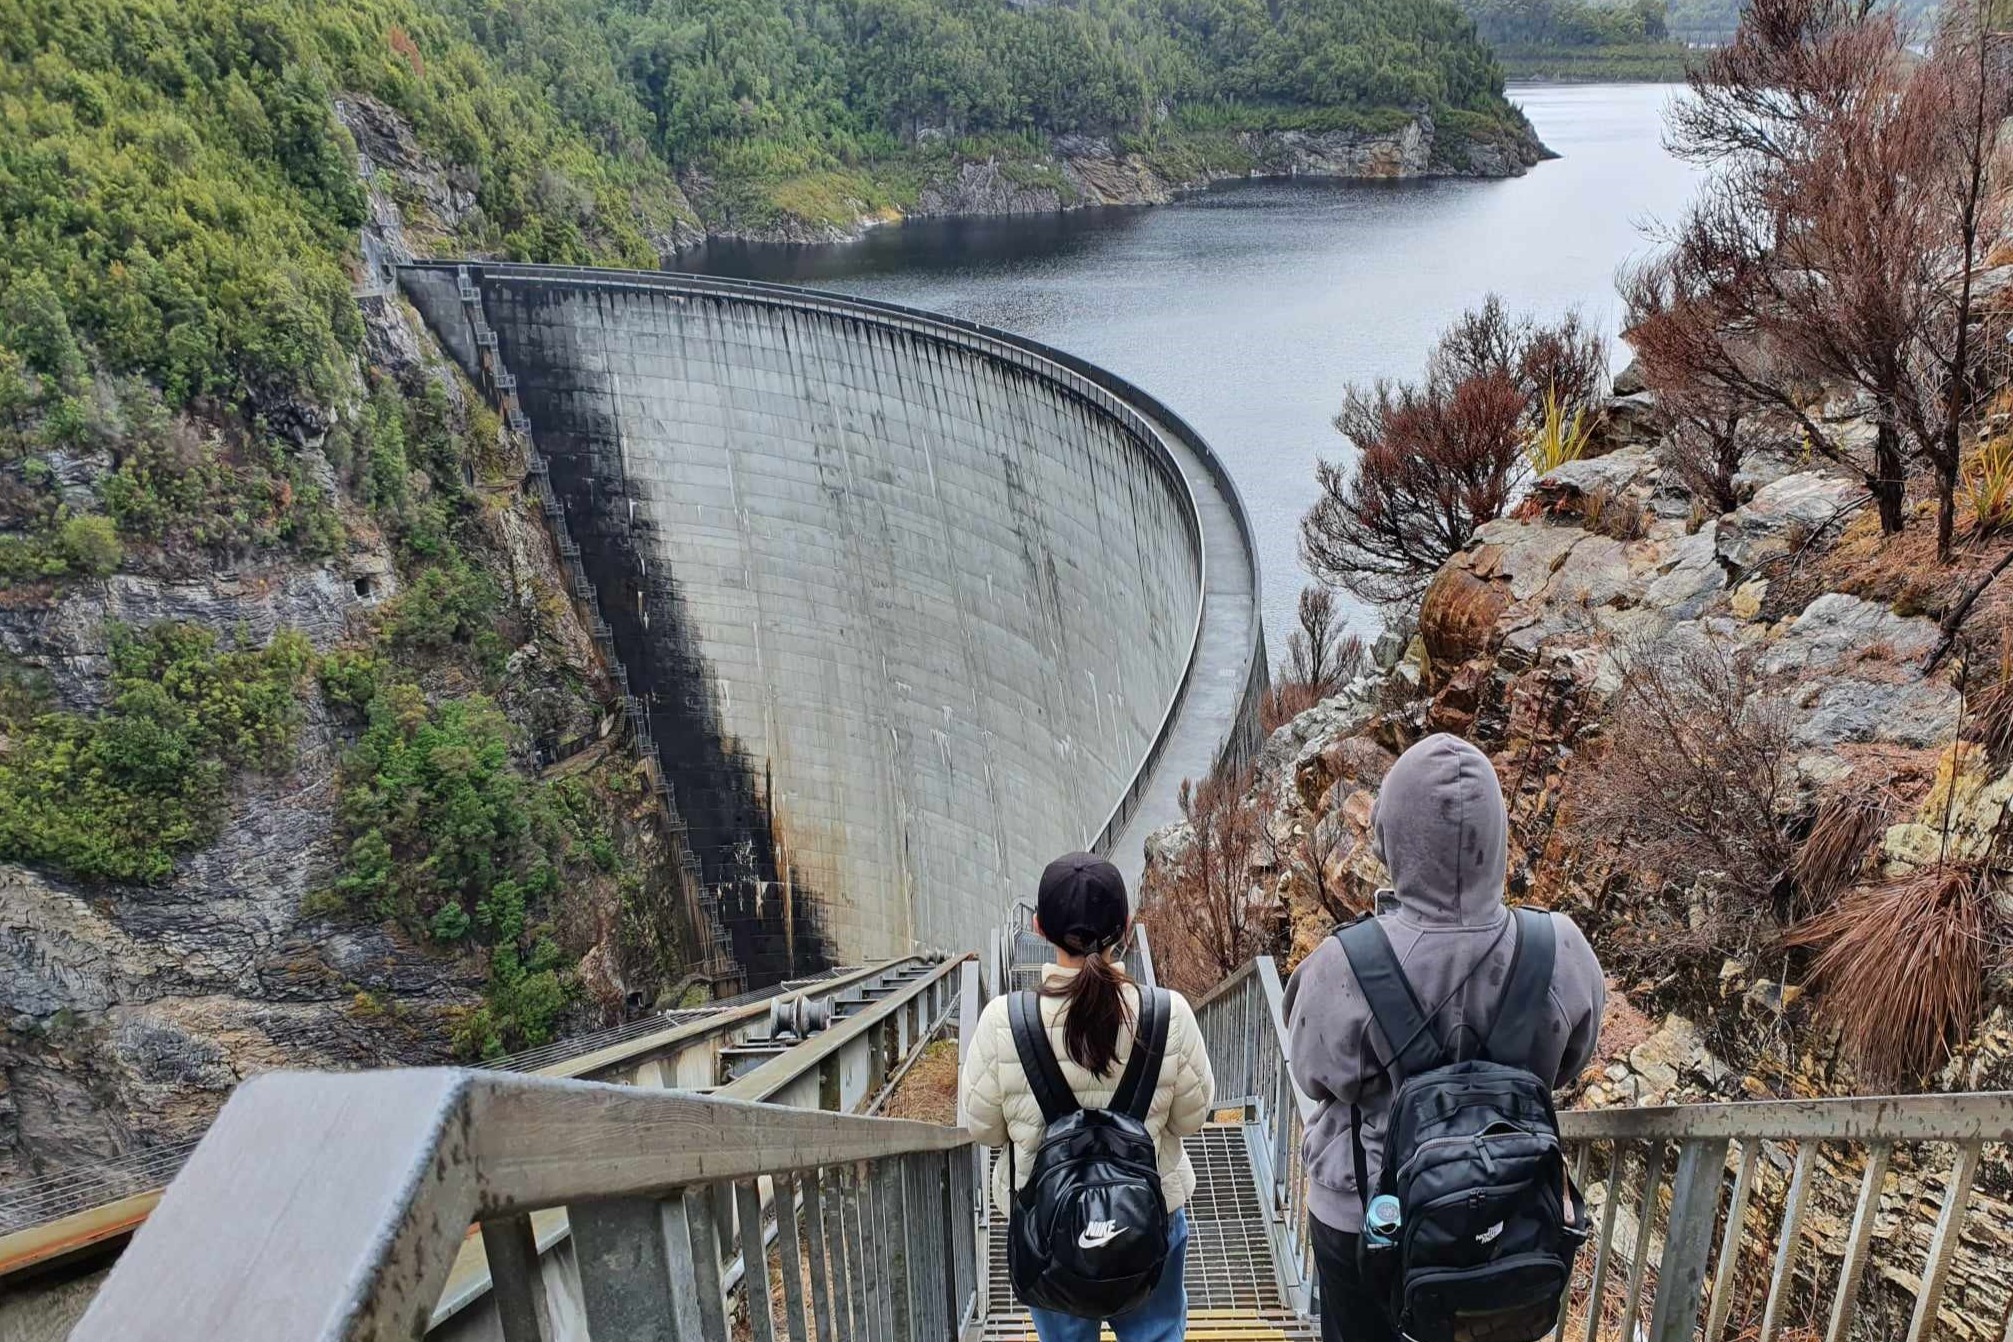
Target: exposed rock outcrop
1080, 170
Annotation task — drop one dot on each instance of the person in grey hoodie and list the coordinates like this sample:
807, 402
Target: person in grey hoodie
1443, 834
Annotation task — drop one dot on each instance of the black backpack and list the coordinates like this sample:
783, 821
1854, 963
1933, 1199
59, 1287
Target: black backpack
1088, 1235
1488, 1230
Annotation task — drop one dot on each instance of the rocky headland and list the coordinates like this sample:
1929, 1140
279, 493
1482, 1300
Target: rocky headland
1847, 738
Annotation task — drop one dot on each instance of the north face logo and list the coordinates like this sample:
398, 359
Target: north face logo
1100, 1233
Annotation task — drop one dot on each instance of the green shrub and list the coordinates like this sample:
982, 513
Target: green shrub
350, 679
450, 924
120, 794
89, 545
447, 605
182, 486
447, 838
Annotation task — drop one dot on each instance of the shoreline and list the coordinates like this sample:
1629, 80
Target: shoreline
1084, 172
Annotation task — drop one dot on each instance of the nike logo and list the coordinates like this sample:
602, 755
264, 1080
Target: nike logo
1098, 1234
1490, 1234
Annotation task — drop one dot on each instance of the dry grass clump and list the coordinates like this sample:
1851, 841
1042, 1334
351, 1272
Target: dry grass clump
1991, 707
1614, 514
1988, 484
1828, 861
929, 1091
1901, 966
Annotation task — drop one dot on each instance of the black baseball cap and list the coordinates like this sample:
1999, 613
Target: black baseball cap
1082, 903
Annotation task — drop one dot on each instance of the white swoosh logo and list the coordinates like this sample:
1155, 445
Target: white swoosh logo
1098, 1234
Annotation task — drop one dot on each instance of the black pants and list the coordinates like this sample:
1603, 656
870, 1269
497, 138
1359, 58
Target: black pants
1349, 1313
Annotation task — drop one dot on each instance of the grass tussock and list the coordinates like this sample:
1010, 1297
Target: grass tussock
1988, 484
929, 1092
1991, 706
1901, 965
1829, 859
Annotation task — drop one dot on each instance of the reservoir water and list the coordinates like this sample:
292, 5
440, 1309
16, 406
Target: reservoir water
1250, 307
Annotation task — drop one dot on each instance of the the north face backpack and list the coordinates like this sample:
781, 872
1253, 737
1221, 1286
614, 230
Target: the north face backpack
1488, 1229
1088, 1234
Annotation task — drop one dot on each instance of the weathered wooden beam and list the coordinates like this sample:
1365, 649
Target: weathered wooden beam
1981, 1117
331, 1207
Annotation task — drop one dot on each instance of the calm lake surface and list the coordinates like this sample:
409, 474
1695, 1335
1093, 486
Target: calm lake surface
1251, 306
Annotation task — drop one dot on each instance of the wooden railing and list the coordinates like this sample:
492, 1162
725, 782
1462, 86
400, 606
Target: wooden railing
1705, 1212
839, 1069
83, 1215
332, 1206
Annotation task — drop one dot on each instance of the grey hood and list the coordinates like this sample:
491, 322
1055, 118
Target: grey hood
1441, 829
1442, 832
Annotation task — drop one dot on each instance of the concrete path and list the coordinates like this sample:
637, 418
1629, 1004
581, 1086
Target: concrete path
1222, 660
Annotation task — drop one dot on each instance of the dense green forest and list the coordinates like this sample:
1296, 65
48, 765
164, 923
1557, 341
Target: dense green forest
1709, 22
175, 194
1623, 39
1580, 39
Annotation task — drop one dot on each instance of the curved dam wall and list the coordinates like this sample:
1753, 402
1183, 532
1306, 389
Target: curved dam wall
908, 607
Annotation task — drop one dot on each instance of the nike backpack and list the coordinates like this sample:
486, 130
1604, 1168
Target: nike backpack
1087, 1236
1489, 1224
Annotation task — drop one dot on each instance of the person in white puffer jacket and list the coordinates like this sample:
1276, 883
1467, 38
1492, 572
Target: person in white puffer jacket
1089, 1008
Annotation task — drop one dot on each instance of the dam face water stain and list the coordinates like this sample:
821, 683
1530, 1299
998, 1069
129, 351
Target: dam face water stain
904, 610
772, 916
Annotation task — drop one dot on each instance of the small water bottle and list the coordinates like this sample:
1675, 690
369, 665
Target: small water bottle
1381, 1220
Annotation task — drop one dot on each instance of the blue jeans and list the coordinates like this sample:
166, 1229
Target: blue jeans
1161, 1317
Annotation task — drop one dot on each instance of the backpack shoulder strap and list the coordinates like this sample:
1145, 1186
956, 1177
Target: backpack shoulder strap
1037, 1058
1415, 1048
1149, 1051
1514, 1033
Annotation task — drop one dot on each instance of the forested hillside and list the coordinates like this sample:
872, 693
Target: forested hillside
306, 756
1580, 39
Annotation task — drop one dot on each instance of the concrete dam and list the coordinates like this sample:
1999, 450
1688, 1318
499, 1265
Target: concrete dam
909, 605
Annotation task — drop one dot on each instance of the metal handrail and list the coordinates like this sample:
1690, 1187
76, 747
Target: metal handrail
778, 1080
1677, 1167
67, 1214
332, 1206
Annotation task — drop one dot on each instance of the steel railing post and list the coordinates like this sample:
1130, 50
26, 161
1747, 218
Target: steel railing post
516, 1279
1695, 1189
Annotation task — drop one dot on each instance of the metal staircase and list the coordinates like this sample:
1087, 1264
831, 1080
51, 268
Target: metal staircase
348, 1207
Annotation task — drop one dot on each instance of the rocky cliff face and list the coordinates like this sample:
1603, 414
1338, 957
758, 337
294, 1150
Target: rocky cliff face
131, 1011
1085, 170
1532, 642
1095, 170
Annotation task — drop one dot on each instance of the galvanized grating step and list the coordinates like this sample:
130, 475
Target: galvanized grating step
1233, 1290
1204, 1325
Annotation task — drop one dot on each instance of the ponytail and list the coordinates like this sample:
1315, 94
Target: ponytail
1095, 1011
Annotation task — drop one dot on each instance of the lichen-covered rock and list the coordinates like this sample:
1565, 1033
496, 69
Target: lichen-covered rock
67, 640
1302, 737
1610, 473
1781, 516
1838, 626
1961, 818
1852, 667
